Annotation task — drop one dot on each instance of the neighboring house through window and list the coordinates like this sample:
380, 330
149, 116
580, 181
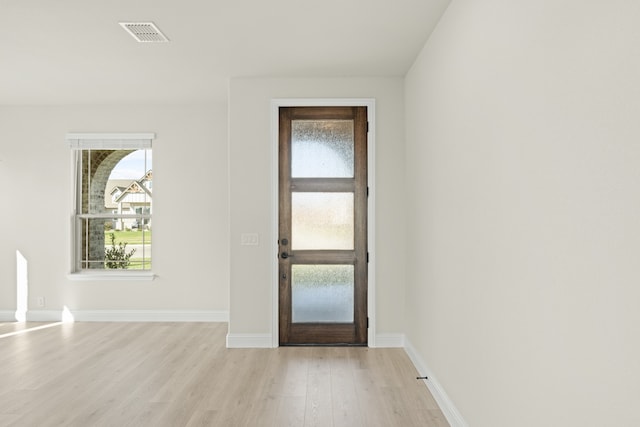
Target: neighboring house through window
112, 218
127, 196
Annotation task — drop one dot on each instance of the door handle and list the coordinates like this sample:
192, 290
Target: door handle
285, 255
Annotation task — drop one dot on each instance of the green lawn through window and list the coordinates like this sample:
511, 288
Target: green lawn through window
128, 237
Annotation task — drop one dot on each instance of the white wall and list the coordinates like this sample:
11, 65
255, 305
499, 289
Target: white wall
251, 193
523, 154
190, 249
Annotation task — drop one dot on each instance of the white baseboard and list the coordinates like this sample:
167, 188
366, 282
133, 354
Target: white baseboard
44, 316
7, 316
389, 341
150, 316
266, 341
449, 410
122, 316
249, 341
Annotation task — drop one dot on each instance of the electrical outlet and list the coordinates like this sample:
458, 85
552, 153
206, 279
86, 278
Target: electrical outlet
40, 301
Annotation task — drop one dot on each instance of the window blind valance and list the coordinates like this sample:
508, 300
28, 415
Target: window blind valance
110, 141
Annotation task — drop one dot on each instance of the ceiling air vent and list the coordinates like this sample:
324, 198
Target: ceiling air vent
144, 32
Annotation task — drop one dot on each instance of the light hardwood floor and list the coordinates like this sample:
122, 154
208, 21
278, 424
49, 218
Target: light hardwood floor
181, 374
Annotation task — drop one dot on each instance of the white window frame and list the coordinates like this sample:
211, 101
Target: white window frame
100, 141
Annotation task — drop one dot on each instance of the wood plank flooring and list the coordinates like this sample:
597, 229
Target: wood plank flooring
181, 374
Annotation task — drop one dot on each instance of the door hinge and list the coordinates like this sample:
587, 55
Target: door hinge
367, 191
367, 257
367, 127
367, 323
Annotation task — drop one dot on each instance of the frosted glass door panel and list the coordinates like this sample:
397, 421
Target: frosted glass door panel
322, 221
322, 293
322, 149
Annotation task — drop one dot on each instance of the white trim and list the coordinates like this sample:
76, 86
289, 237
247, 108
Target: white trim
389, 341
129, 315
249, 341
90, 276
275, 282
451, 413
370, 103
150, 315
110, 141
44, 316
110, 135
7, 316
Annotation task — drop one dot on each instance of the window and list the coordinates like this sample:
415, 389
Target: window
113, 204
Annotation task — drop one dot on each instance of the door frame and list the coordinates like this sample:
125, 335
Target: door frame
323, 102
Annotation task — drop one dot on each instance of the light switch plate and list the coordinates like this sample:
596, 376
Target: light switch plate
249, 239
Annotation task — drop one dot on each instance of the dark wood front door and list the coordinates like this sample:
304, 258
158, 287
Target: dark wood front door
323, 225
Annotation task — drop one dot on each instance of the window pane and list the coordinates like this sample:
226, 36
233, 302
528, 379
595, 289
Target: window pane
102, 247
322, 293
138, 245
110, 177
322, 149
322, 221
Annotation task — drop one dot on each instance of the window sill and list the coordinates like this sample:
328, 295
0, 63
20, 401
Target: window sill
86, 276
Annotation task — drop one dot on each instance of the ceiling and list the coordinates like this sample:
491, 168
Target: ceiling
75, 52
